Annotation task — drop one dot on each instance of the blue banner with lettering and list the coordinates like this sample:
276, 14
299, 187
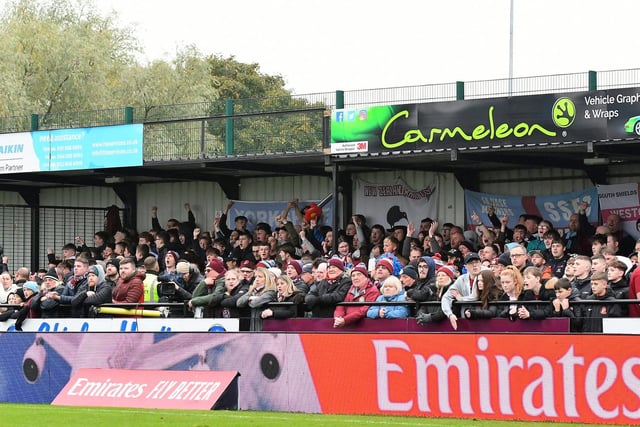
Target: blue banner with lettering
556, 208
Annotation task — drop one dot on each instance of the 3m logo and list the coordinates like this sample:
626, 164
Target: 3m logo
361, 146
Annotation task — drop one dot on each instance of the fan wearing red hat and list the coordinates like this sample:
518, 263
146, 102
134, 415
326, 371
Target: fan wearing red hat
384, 269
209, 288
323, 298
361, 290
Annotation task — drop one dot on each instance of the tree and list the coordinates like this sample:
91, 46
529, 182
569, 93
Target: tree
59, 57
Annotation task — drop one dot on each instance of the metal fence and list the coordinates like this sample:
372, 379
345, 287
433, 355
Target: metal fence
57, 227
290, 123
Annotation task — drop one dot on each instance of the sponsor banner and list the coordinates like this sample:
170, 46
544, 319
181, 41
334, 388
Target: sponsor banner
127, 388
568, 378
128, 324
266, 211
72, 149
274, 369
395, 203
624, 201
556, 208
618, 325
493, 123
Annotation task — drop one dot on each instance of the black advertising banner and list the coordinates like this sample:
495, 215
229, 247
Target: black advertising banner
495, 122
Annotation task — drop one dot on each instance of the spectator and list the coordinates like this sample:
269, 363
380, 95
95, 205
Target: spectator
130, 288
416, 286
512, 286
235, 286
325, 295
598, 264
539, 261
392, 291
577, 239
306, 278
582, 278
535, 290
286, 293
519, 258
634, 293
7, 287
445, 276
244, 250
489, 292
384, 270
188, 275
21, 276
618, 284
75, 284
150, 282
463, 289
97, 292
598, 243
536, 243
49, 306
111, 274
602, 305
15, 298
361, 290
258, 297
625, 241
562, 304
209, 291
30, 307
558, 259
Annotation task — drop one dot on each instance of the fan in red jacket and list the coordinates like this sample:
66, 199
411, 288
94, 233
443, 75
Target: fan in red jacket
361, 290
129, 287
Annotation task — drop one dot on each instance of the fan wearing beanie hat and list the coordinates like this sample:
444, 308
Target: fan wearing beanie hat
361, 290
210, 290
30, 292
294, 268
360, 268
30, 286
410, 271
327, 293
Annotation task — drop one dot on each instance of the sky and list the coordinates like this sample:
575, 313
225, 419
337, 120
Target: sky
328, 45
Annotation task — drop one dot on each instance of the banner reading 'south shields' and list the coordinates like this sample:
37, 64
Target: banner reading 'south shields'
556, 208
395, 203
624, 201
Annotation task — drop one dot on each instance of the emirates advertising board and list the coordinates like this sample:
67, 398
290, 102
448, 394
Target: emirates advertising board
488, 123
531, 377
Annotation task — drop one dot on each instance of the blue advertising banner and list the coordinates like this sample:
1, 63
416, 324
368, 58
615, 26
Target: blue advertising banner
72, 149
556, 208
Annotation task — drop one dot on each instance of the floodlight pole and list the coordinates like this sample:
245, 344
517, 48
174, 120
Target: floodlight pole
510, 46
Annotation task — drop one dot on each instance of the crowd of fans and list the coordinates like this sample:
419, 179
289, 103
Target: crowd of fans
428, 271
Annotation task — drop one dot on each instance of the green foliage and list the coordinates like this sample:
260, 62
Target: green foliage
61, 60
57, 57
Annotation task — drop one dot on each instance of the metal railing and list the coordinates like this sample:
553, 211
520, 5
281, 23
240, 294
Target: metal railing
290, 123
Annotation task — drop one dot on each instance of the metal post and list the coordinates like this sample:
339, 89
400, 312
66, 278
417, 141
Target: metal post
339, 99
229, 127
593, 80
459, 91
128, 115
35, 122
